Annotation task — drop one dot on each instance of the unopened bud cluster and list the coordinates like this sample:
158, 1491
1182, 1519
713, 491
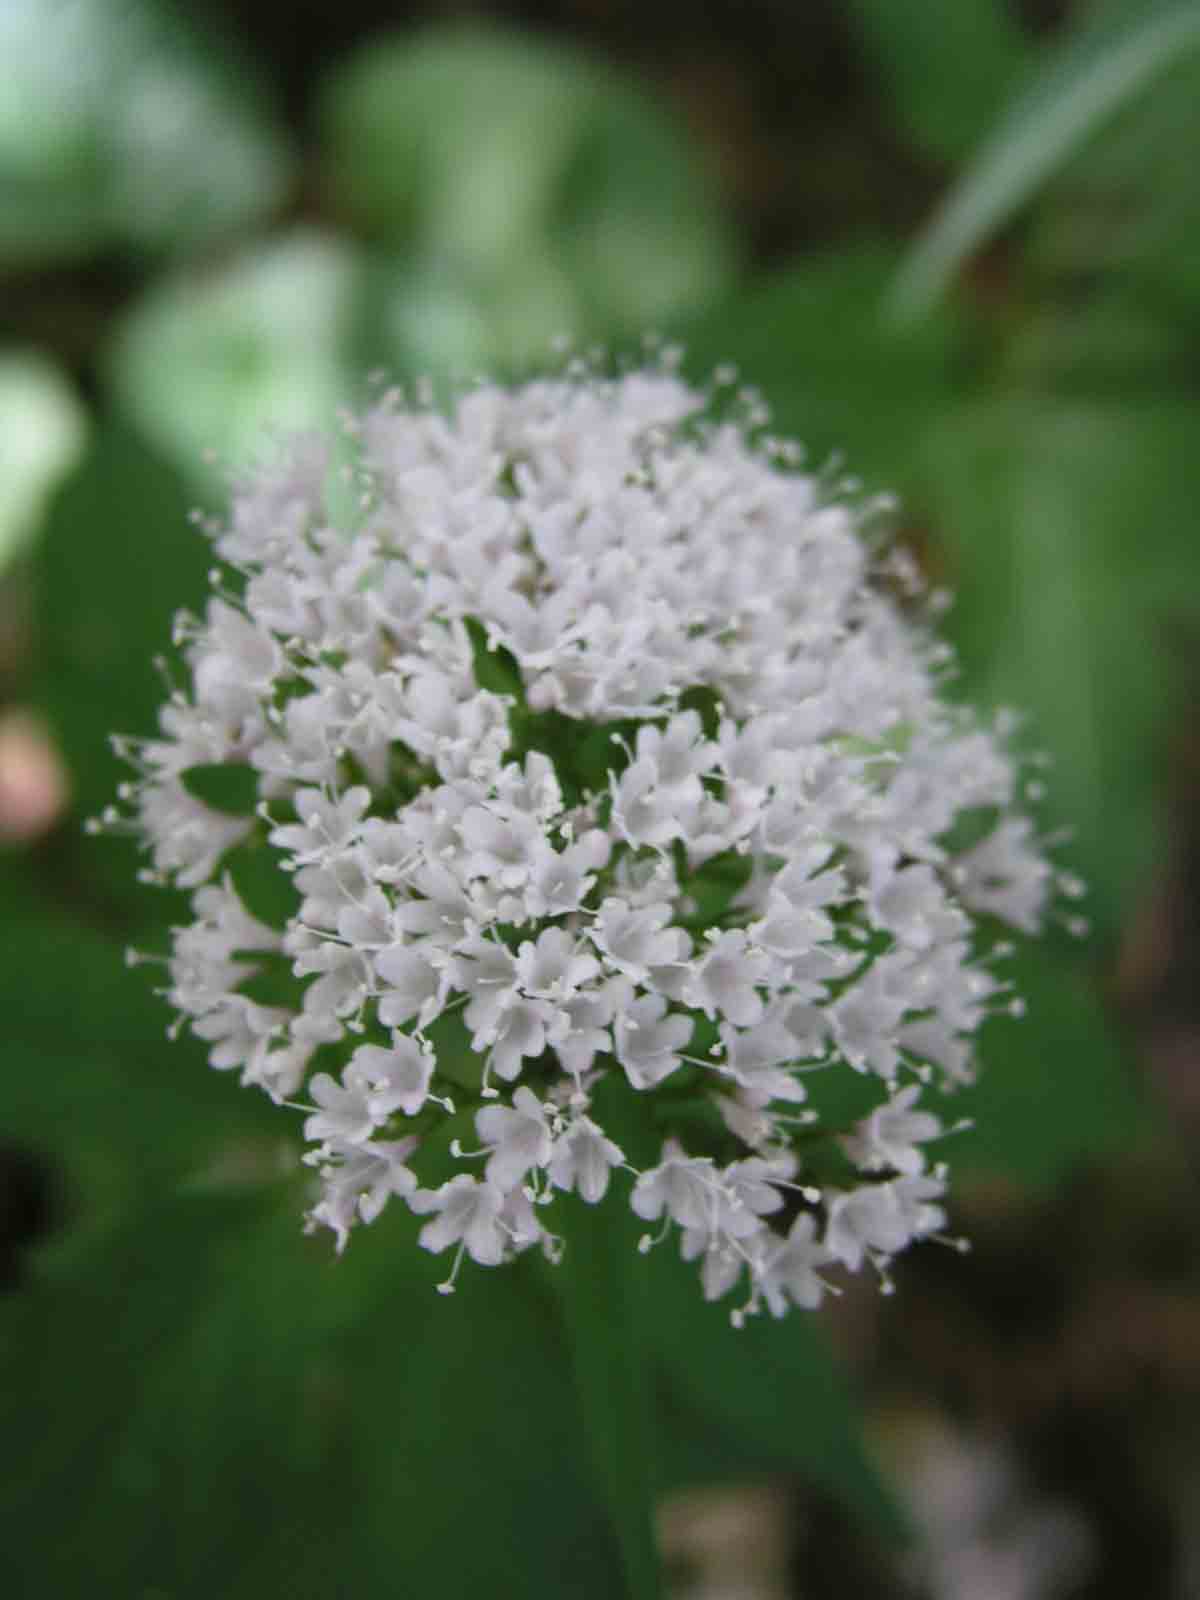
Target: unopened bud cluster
603, 749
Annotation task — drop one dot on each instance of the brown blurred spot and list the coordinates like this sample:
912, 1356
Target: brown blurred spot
33, 780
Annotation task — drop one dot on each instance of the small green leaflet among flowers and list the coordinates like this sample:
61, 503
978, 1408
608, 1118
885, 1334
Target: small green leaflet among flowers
605, 748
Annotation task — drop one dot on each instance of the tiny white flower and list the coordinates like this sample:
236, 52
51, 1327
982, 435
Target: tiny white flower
463, 1210
358, 1180
648, 1039
890, 1136
555, 966
345, 1112
911, 904
519, 1138
499, 844
412, 985
326, 825
648, 812
633, 939
726, 978
683, 1186
1006, 876
789, 1272
583, 1158
397, 1079
882, 1218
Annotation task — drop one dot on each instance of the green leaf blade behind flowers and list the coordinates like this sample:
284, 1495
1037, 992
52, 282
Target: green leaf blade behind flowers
117, 560
250, 1416
836, 374
606, 1291
90, 1079
774, 1387
1056, 1088
1070, 532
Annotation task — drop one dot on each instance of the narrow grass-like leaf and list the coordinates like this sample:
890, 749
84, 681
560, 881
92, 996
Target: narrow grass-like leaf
1091, 76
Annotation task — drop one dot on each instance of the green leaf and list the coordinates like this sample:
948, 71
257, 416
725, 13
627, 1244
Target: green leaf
227, 1408
521, 192
90, 1079
1088, 78
264, 888
836, 374
946, 65
226, 786
124, 124
774, 1387
220, 363
1070, 536
428, 317
117, 559
1056, 1088
604, 1284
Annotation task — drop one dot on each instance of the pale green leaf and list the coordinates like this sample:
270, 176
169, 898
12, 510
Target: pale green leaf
43, 429
122, 124
222, 362
522, 192
1073, 552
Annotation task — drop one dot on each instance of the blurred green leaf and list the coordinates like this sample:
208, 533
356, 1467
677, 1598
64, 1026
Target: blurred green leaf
122, 123
605, 1287
1113, 253
1092, 74
837, 375
224, 785
220, 362
90, 1079
603, 1284
225, 1408
774, 1386
43, 428
523, 192
455, 137
639, 221
1056, 1088
117, 560
1071, 533
429, 318
946, 65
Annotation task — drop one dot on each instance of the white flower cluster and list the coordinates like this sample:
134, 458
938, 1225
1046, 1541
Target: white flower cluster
598, 758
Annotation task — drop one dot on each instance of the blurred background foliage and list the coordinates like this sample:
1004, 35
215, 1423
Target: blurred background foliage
957, 247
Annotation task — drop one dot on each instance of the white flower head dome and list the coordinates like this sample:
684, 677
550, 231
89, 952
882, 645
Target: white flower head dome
602, 757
